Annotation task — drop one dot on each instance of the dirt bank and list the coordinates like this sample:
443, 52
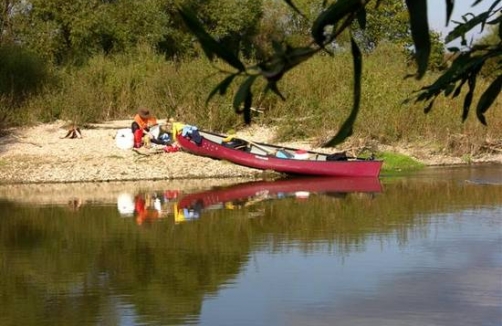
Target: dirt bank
39, 155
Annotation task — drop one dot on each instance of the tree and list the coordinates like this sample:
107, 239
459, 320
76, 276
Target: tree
387, 22
75, 30
232, 23
492, 68
339, 17
5, 22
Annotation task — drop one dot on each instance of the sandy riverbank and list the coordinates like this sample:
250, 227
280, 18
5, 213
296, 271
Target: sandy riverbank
38, 155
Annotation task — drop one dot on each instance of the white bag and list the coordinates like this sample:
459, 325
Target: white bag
124, 138
155, 131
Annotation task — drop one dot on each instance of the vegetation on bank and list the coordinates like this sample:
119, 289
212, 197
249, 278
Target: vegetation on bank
88, 61
317, 101
342, 17
397, 162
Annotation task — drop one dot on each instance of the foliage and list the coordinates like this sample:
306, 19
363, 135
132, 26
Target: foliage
233, 23
278, 23
73, 31
467, 65
113, 86
22, 73
492, 67
398, 162
386, 22
111, 56
330, 24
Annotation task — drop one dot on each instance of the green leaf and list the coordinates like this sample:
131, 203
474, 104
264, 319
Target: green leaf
247, 108
467, 106
243, 93
494, 4
500, 30
272, 86
459, 88
331, 16
295, 56
292, 5
449, 89
495, 21
428, 108
449, 10
459, 68
221, 87
488, 97
285, 61
361, 18
462, 29
427, 95
417, 10
210, 46
277, 46
468, 98
347, 127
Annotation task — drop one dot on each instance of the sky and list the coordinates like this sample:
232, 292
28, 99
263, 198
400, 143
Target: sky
437, 14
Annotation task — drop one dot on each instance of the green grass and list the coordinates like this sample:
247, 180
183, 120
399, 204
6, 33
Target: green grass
318, 99
398, 162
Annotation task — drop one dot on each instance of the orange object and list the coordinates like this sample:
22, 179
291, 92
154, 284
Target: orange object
145, 122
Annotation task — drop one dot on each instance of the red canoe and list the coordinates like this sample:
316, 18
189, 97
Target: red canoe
263, 156
285, 186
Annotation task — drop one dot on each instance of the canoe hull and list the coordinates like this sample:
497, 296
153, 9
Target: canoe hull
301, 184
213, 149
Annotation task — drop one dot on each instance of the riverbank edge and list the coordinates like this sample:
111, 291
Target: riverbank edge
41, 155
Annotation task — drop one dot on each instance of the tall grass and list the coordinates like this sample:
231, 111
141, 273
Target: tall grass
318, 99
22, 75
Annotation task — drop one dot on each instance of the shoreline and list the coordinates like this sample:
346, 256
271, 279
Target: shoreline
39, 155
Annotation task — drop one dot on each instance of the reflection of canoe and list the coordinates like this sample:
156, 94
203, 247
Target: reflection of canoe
285, 186
262, 156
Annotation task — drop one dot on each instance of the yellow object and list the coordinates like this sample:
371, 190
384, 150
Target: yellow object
228, 138
177, 128
178, 214
146, 141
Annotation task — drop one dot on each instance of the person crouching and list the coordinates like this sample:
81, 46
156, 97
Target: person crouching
143, 122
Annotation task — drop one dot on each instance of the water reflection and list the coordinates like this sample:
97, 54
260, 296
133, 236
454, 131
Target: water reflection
181, 207
147, 206
426, 250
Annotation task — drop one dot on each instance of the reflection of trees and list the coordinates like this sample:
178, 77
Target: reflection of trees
63, 269
74, 268
347, 222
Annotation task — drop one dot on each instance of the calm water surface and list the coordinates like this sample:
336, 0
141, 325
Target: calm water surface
421, 249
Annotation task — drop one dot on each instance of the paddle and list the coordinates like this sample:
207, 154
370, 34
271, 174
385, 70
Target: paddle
271, 152
266, 150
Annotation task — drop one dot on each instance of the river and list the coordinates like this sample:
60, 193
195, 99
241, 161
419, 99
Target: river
422, 248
